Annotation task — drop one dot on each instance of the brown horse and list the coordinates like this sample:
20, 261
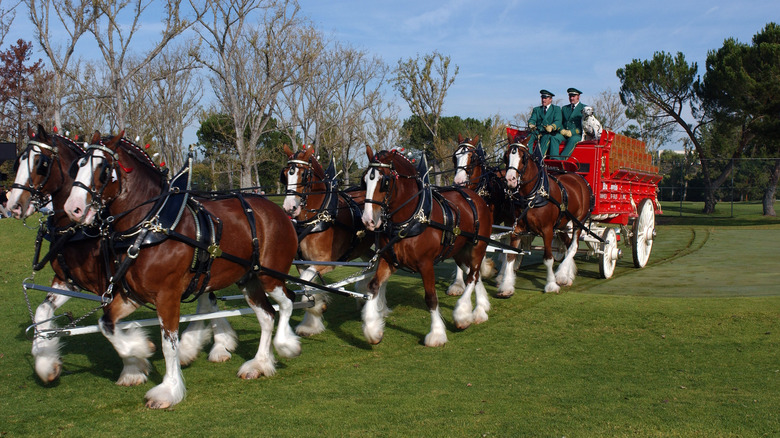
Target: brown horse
472, 171
78, 263
417, 227
328, 224
550, 204
237, 238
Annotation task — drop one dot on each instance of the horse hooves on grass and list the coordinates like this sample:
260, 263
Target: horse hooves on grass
157, 404
505, 294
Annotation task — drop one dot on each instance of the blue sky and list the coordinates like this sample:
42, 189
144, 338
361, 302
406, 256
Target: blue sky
508, 50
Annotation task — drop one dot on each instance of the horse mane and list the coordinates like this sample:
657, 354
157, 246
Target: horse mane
139, 154
71, 144
401, 164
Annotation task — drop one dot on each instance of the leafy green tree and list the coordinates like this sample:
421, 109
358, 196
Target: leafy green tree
666, 89
741, 89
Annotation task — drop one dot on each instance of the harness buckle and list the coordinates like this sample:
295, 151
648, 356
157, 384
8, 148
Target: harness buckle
214, 250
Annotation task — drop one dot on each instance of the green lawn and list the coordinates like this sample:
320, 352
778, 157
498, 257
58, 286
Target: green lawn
687, 346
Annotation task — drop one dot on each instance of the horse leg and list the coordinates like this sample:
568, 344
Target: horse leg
374, 310
264, 363
506, 286
172, 390
487, 268
462, 315
438, 334
131, 344
197, 333
458, 285
46, 351
287, 343
312, 318
483, 303
567, 269
552, 285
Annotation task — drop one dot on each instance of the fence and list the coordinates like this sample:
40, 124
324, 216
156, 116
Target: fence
682, 190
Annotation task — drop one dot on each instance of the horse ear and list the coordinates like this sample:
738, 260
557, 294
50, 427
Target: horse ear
114, 142
95, 137
287, 151
476, 139
41, 132
460, 138
369, 153
309, 152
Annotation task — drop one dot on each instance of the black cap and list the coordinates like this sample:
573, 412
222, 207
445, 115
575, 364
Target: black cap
546, 93
573, 91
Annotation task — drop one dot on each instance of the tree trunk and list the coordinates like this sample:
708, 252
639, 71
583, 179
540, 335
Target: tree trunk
771, 190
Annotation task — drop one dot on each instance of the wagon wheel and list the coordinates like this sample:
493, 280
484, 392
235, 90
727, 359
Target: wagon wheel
643, 233
610, 254
558, 248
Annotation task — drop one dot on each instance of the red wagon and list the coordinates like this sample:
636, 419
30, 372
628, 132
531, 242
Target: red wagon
625, 187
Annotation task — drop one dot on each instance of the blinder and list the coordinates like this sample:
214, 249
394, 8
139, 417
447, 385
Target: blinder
42, 167
102, 176
383, 185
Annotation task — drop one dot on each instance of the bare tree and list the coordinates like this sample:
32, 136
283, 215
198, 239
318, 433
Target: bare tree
114, 39
172, 101
250, 65
89, 109
609, 110
6, 19
423, 84
51, 18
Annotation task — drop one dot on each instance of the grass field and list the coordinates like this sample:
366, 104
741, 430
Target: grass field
687, 346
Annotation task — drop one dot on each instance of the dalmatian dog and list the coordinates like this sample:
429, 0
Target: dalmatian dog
591, 127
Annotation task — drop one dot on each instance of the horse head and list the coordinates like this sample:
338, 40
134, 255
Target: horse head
389, 180
96, 180
521, 167
468, 161
300, 176
39, 171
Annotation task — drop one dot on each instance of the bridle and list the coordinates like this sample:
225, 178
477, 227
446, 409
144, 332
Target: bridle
516, 148
468, 148
374, 169
106, 169
305, 180
43, 168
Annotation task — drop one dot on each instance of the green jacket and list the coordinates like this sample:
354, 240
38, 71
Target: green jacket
572, 118
553, 117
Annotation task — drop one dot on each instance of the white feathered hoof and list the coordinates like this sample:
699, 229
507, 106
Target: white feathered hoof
218, 354
255, 368
505, 293
288, 348
480, 315
48, 370
462, 316
135, 371
455, 289
552, 288
311, 325
487, 269
435, 339
165, 395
